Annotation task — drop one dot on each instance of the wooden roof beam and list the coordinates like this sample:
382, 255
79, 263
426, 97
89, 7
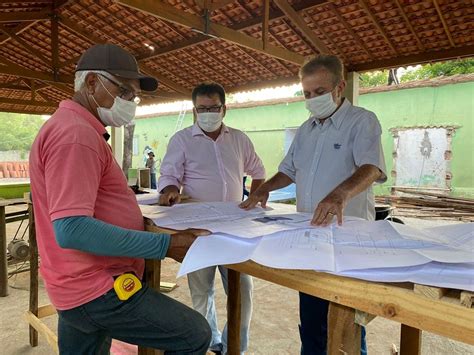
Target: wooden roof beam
349, 29
219, 4
95, 39
33, 51
301, 24
266, 20
170, 13
28, 103
413, 59
445, 25
60, 83
376, 24
273, 15
47, 111
409, 25
24, 16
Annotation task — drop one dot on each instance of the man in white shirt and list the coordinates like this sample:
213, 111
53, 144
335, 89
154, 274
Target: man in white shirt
334, 159
208, 161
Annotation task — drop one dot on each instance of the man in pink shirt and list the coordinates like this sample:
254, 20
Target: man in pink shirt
89, 228
208, 161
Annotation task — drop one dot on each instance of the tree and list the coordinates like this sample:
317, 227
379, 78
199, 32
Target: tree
375, 78
18, 131
428, 71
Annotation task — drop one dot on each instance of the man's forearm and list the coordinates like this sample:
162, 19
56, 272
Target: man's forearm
278, 181
256, 183
97, 237
360, 181
170, 188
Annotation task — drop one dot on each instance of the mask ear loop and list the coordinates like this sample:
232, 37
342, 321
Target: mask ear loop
108, 92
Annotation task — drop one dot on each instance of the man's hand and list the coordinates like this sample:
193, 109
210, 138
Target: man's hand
169, 197
260, 195
332, 205
182, 240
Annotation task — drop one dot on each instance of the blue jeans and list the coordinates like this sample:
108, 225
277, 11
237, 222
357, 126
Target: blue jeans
314, 326
148, 318
153, 181
201, 286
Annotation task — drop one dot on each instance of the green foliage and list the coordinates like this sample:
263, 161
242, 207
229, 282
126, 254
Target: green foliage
428, 71
374, 78
17, 131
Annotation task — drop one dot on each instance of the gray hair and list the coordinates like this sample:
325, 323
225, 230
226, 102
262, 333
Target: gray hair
331, 63
80, 78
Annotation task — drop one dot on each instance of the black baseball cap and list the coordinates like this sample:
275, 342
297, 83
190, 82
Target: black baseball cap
116, 61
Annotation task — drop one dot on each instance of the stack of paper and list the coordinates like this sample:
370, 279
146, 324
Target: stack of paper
281, 238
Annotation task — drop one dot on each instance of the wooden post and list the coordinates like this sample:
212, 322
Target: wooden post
233, 312
352, 88
344, 334
410, 341
33, 272
3, 254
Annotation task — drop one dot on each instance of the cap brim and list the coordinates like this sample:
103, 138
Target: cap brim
147, 83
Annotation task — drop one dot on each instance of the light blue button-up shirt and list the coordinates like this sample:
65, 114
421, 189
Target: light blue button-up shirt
322, 156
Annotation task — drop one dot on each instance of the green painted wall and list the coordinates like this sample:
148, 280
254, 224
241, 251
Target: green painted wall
442, 105
13, 190
265, 125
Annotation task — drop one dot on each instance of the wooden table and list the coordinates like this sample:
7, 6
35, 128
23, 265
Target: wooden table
3, 242
438, 312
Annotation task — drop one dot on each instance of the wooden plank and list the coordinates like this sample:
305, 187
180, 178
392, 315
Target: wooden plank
79, 31
389, 301
251, 22
467, 298
363, 318
377, 24
409, 25
29, 103
170, 13
233, 312
344, 335
11, 68
46, 311
266, 20
25, 45
21, 16
410, 340
300, 23
443, 21
3, 254
430, 291
42, 329
33, 306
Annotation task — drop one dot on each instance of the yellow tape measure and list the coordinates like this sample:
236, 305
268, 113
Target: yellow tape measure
126, 285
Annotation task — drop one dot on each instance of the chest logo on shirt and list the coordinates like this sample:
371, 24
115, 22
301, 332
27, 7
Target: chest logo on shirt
337, 146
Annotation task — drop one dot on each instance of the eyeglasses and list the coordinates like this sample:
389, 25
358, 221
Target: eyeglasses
125, 93
202, 109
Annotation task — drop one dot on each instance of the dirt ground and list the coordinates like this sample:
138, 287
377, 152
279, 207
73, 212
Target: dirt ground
274, 327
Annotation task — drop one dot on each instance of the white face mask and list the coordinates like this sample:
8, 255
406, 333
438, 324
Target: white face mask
321, 106
209, 121
121, 113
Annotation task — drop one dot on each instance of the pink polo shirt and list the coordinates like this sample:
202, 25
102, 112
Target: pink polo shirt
74, 173
210, 170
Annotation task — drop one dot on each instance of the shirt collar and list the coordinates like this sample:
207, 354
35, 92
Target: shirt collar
197, 131
338, 116
85, 115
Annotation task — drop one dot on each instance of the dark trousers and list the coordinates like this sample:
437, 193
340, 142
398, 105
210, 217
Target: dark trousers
314, 326
148, 319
